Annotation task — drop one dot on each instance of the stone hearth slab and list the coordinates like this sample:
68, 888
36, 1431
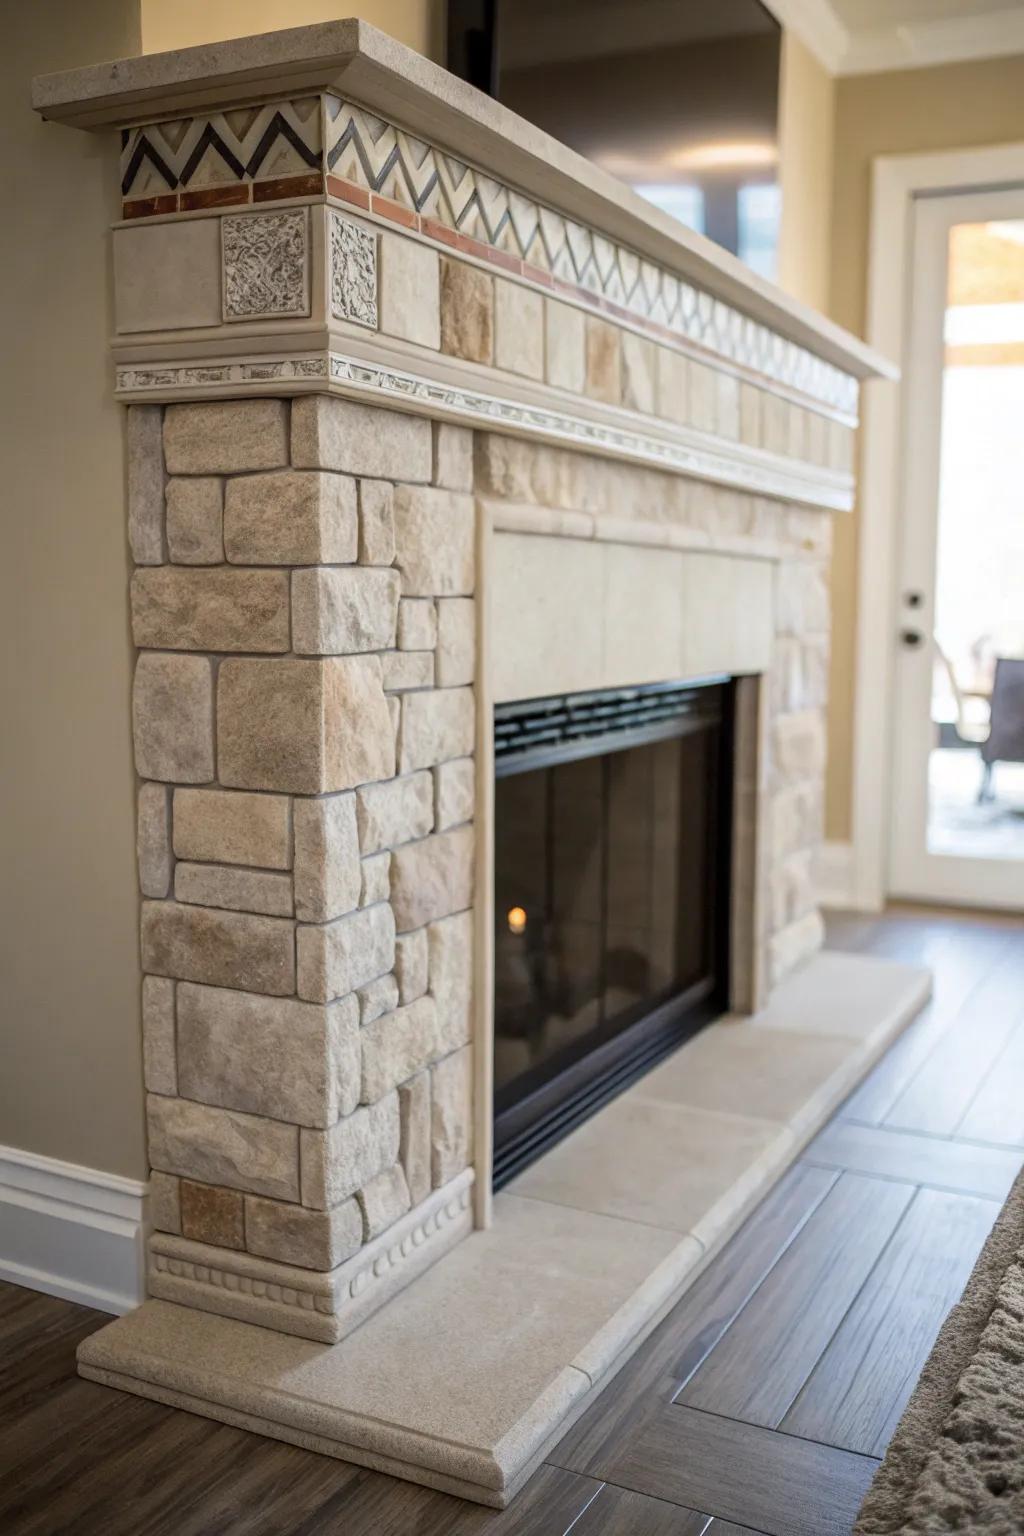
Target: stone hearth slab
465, 1380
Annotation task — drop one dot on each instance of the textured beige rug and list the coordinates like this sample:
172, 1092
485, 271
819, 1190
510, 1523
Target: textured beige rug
956, 1461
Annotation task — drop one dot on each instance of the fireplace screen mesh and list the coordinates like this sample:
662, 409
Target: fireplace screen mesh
609, 849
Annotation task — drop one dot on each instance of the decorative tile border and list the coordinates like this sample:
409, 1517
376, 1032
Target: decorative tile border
248, 154
682, 450
317, 145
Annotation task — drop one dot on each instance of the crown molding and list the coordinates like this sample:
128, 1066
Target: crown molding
949, 40
901, 45
817, 26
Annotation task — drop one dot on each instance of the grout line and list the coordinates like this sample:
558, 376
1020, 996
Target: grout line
952, 1140
895, 1178
784, 1434
581, 1512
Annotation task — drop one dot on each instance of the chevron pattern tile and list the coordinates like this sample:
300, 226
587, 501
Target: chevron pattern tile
277, 139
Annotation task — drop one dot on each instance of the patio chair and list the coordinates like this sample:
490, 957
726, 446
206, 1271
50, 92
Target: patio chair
1005, 741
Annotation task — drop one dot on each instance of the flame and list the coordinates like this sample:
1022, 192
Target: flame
516, 920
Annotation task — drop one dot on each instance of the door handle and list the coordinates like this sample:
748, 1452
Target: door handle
911, 638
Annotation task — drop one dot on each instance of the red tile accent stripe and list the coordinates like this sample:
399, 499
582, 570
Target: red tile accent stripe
215, 197
287, 186
145, 207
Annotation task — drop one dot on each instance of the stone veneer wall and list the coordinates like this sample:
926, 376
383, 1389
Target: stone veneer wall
304, 733
553, 491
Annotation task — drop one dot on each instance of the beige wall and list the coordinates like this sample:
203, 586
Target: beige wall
949, 107
806, 116
70, 1069
181, 23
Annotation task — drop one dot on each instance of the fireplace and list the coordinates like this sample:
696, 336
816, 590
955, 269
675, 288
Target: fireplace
612, 853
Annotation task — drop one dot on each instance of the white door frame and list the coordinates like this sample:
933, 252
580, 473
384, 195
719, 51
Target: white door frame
896, 181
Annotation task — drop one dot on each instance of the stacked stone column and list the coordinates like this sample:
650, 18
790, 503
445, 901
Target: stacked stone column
304, 735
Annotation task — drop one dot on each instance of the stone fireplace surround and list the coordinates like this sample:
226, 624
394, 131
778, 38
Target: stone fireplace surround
423, 414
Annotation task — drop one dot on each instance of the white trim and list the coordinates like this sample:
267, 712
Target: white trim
817, 26
835, 876
940, 40
73, 1232
896, 180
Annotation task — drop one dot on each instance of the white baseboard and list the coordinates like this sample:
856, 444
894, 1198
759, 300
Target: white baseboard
835, 876
72, 1232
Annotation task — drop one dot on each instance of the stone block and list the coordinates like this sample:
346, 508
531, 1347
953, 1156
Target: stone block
799, 745
565, 348
356, 439
603, 361
383, 1200
291, 1234
195, 520
414, 1137
220, 1146
290, 1060
456, 641
159, 1055
410, 290
454, 792
172, 717
793, 945
703, 396
435, 726
796, 818
225, 437
403, 671
165, 1202
232, 827
153, 839
295, 517
435, 542
411, 964
750, 415
727, 405
184, 609
337, 1162
417, 624
518, 329
376, 522
376, 879
672, 385
451, 1116
453, 456
212, 1215
802, 598
309, 727
146, 484
432, 878
450, 944
236, 890
340, 612
394, 812
327, 872
377, 997
396, 1046
793, 888
467, 311
338, 957
226, 949
639, 373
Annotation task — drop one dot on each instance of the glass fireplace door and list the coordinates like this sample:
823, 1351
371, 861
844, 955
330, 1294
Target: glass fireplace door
610, 842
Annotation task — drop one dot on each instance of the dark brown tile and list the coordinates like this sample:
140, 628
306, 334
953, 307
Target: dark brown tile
287, 186
215, 197
145, 207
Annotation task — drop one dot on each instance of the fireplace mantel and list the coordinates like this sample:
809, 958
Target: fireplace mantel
422, 408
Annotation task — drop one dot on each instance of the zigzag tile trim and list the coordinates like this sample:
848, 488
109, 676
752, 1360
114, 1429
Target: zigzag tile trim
295, 148
681, 449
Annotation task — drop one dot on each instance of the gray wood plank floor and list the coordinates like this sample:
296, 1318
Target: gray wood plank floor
759, 1407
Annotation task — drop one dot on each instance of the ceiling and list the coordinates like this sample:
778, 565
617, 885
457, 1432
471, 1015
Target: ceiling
862, 36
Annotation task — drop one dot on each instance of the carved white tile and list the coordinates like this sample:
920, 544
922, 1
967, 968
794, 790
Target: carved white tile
266, 264
353, 272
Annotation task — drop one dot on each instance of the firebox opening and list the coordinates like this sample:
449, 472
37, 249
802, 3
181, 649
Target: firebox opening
612, 832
